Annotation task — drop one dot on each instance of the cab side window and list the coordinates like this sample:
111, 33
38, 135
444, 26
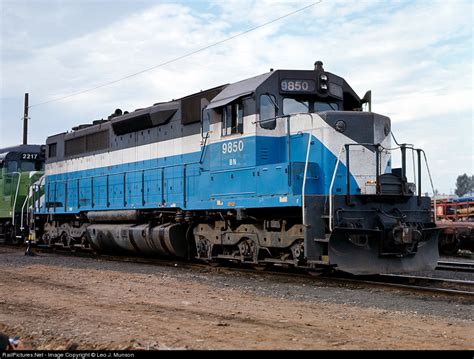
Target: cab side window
233, 119
268, 111
205, 122
52, 150
12, 166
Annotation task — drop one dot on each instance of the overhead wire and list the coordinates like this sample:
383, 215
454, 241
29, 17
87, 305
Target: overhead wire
177, 58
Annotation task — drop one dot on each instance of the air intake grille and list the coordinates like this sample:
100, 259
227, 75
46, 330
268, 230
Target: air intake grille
88, 143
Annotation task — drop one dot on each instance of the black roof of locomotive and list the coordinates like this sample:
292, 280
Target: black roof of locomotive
162, 112
264, 83
20, 149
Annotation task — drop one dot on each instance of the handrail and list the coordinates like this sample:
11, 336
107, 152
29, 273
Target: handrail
16, 196
306, 170
274, 118
432, 186
204, 147
332, 183
127, 172
380, 148
22, 210
124, 173
38, 204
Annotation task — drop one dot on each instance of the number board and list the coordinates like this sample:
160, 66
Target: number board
291, 85
29, 156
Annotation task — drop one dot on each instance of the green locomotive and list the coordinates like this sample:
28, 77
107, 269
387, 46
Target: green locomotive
20, 167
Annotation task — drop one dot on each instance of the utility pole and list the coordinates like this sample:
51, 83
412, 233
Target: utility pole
25, 121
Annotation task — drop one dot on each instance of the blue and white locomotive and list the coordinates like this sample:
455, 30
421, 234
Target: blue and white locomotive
283, 168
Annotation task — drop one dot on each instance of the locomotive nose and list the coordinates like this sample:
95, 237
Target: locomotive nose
361, 251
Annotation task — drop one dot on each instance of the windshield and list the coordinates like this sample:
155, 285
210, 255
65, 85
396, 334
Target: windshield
291, 106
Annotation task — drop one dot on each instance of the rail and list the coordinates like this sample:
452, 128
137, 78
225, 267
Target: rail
456, 266
409, 283
122, 173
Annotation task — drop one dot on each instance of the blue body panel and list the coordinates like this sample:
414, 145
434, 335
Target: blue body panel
250, 172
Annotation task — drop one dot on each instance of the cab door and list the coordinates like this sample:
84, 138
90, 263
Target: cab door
271, 149
230, 152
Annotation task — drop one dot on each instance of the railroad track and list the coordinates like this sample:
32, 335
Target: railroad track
456, 266
403, 282
420, 283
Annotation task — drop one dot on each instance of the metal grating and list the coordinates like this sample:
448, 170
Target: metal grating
88, 143
97, 141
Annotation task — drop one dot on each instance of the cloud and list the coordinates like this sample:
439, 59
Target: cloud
416, 58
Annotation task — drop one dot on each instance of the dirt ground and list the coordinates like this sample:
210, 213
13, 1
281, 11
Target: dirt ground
55, 302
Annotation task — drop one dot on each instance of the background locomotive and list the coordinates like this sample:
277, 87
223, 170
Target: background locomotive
282, 168
20, 167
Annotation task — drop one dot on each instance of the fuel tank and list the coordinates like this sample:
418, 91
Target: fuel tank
167, 239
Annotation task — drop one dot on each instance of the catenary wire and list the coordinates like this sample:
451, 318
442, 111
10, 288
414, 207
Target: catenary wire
177, 58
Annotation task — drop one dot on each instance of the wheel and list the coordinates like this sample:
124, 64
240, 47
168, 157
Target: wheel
10, 235
260, 267
16, 241
449, 244
213, 264
316, 272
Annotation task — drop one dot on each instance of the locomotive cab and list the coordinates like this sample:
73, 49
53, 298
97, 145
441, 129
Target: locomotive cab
20, 166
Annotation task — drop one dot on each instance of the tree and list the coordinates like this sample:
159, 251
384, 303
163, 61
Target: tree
464, 184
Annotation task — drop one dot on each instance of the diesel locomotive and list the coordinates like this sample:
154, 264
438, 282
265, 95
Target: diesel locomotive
284, 168
20, 167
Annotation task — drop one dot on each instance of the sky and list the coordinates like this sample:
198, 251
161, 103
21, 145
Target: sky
415, 56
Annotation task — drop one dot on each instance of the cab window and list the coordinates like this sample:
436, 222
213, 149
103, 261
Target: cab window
233, 119
52, 150
205, 122
28, 166
12, 166
326, 106
291, 106
268, 111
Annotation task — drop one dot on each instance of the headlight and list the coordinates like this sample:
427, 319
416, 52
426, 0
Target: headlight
323, 82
